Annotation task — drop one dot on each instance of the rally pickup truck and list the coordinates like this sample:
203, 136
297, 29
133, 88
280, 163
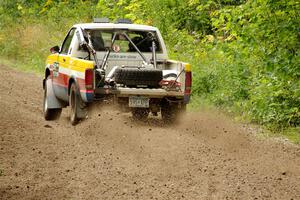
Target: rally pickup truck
121, 61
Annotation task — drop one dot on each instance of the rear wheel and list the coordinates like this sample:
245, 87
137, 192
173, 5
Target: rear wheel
171, 112
49, 114
77, 106
140, 113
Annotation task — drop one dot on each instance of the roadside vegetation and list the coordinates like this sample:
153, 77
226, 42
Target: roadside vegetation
245, 54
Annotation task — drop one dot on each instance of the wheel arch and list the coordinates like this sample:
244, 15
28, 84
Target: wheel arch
47, 72
82, 94
71, 81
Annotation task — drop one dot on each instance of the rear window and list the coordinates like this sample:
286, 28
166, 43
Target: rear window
101, 39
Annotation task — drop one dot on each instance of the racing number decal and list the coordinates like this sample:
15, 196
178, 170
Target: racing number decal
55, 69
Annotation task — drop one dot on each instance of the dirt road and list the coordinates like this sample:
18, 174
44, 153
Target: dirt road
109, 156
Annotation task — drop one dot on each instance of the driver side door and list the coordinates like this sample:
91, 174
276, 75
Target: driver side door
61, 68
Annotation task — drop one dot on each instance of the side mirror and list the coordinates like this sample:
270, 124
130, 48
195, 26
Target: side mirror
54, 49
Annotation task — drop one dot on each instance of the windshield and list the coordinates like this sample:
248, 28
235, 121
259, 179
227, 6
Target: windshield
102, 39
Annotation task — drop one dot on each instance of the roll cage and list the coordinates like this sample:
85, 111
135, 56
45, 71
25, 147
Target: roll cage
86, 43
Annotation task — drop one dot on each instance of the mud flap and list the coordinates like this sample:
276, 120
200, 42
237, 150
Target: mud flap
52, 101
186, 99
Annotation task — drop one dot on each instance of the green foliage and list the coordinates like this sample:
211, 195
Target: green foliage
268, 32
245, 54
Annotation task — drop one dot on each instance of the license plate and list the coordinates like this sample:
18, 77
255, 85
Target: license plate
138, 102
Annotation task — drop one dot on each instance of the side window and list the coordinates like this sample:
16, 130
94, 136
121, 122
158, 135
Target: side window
67, 42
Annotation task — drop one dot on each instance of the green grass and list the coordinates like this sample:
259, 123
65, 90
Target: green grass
21, 66
293, 134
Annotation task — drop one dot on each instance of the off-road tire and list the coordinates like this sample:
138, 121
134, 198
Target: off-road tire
49, 114
140, 114
171, 112
133, 77
76, 105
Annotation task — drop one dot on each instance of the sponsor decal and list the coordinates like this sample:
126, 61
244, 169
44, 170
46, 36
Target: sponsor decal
116, 56
55, 69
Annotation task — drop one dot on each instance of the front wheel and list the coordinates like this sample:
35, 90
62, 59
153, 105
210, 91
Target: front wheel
78, 108
49, 113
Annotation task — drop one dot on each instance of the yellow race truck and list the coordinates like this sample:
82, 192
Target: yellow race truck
121, 61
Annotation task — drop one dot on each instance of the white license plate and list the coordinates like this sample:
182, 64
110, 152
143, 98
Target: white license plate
138, 102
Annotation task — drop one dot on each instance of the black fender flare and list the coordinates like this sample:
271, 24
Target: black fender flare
47, 73
72, 80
